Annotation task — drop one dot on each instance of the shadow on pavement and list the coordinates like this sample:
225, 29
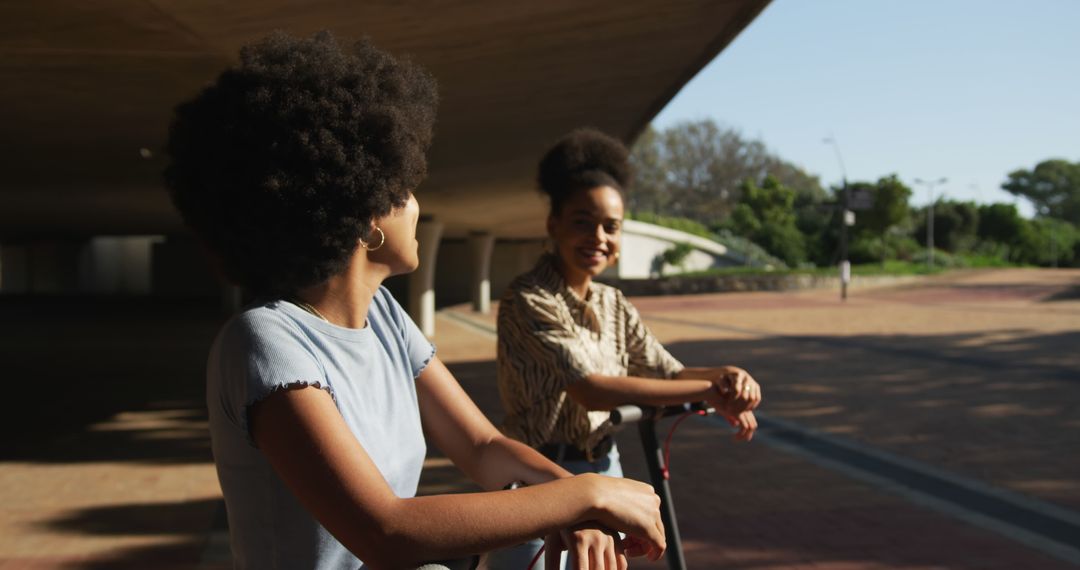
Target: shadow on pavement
747, 506
137, 518
1069, 294
182, 550
1002, 410
71, 363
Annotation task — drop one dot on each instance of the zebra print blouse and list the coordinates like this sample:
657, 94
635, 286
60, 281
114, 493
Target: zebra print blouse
549, 338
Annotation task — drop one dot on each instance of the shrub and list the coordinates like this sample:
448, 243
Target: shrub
676, 255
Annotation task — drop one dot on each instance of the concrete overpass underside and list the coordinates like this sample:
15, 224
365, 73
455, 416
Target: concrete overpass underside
87, 90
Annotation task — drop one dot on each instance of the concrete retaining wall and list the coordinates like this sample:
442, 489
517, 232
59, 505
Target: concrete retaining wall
643, 245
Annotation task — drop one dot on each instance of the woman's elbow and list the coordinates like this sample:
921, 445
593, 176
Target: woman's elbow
383, 542
387, 551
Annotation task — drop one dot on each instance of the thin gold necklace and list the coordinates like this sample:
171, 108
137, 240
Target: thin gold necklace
309, 308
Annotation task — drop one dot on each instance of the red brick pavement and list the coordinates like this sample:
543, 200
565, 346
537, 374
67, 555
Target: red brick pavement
136, 490
969, 374
751, 506
985, 387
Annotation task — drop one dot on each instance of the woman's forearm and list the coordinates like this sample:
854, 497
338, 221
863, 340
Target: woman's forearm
450, 526
503, 460
457, 427
697, 373
738, 390
599, 392
311, 449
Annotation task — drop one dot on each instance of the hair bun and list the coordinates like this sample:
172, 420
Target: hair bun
583, 159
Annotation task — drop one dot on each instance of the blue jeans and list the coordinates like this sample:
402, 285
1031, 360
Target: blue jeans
518, 557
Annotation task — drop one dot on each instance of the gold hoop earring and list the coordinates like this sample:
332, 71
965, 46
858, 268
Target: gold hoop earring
382, 240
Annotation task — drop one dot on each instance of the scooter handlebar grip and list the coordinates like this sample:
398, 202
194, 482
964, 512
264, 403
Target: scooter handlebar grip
626, 414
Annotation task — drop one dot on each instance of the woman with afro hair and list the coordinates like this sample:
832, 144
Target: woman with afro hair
571, 349
296, 168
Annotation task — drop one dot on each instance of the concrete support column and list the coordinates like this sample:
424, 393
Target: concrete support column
14, 269
422, 281
118, 265
481, 244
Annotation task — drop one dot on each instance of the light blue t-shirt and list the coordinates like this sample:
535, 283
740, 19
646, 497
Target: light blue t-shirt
370, 373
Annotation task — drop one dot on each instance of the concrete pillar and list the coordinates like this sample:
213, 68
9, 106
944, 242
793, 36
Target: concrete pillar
101, 265
118, 264
422, 281
14, 265
481, 244
137, 252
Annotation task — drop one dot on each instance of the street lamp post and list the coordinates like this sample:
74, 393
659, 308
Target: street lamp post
845, 265
930, 216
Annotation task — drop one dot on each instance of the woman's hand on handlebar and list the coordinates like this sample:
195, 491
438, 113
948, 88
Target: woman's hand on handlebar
591, 546
738, 391
737, 394
631, 507
747, 424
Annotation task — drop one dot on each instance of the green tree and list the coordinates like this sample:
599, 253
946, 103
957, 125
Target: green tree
695, 170
766, 215
875, 236
1053, 187
706, 164
955, 226
1001, 232
648, 193
1000, 223
1048, 242
890, 205
818, 218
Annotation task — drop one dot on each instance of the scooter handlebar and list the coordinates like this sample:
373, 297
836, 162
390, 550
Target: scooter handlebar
627, 414
631, 413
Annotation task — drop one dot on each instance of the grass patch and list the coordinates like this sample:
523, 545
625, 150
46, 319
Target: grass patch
980, 260
891, 267
896, 267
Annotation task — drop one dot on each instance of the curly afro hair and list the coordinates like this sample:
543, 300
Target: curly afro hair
282, 163
583, 159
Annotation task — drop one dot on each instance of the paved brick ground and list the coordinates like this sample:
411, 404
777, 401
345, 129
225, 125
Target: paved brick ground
754, 507
985, 384
750, 506
977, 374
105, 454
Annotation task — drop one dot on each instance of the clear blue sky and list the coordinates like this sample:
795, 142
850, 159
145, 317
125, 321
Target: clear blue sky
965, 89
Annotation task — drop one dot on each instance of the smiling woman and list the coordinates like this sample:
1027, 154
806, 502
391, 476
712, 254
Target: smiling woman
570, 349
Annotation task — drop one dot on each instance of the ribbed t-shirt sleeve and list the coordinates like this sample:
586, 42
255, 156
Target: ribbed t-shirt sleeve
419, 350
259, 354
